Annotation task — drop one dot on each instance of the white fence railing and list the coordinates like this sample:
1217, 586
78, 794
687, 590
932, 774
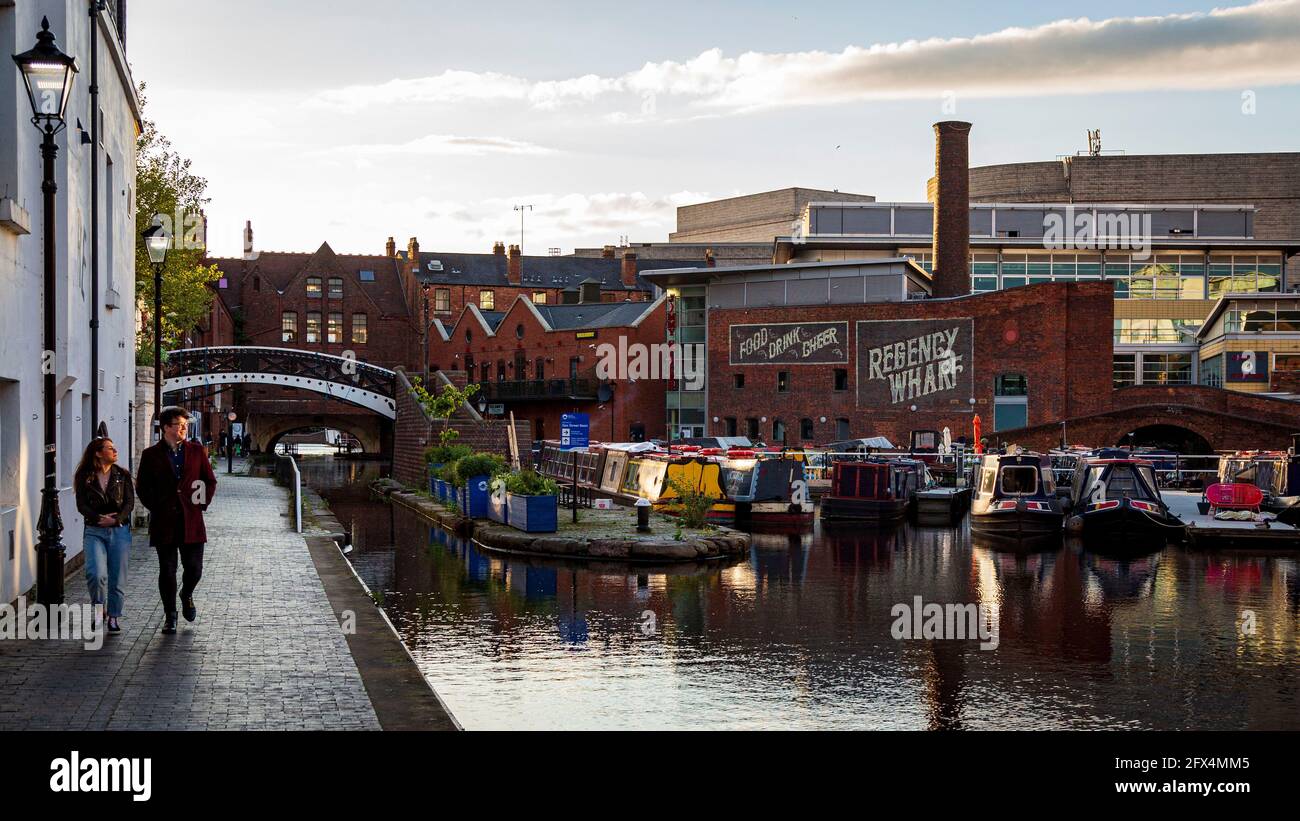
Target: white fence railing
287, 474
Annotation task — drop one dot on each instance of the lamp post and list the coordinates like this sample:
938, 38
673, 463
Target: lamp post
156, 241
47, 73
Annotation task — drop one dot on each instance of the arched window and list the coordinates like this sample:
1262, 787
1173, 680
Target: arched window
778, 431
806, 429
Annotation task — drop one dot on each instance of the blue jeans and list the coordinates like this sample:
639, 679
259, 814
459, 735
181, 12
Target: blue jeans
108, 550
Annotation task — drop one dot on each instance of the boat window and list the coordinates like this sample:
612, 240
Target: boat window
1149, 474
1020, 480
990, 476
1121, 483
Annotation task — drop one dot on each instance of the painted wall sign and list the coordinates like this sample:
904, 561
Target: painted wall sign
790, 343
1248, 366
922, 362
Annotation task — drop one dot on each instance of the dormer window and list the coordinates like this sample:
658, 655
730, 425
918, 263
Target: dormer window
367, 276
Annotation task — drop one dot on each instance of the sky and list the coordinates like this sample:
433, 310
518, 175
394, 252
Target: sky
347, 123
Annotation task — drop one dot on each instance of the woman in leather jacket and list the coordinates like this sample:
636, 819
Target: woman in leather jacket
105, 497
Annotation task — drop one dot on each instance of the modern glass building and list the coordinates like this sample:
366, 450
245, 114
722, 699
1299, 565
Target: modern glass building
1170, 264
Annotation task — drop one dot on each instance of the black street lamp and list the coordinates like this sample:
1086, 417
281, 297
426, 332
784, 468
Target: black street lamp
47, 73
156, 241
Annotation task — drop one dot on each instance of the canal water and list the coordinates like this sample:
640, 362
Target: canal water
799, 633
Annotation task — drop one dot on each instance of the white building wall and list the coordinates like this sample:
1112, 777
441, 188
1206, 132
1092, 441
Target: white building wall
21, 274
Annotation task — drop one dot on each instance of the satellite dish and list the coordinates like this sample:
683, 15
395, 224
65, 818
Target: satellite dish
605, 392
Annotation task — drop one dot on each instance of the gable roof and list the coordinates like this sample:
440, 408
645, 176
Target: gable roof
280, 270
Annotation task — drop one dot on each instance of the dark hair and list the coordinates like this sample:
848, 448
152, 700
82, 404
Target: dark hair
87, 464
170, 413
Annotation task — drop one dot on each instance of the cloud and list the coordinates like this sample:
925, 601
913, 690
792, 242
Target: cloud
442, 145
1241, 47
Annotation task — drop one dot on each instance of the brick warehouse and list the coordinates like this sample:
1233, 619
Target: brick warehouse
539, 362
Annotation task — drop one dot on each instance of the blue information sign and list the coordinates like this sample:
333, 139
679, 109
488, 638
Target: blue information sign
575, 429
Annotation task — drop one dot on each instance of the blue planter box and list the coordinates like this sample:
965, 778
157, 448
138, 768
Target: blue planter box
475, 496
531, 514
434, 467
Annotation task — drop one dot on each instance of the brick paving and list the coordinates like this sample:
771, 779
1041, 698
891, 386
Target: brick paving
266, 652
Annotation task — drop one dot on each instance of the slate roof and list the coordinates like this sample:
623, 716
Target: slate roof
592, 315
278, 269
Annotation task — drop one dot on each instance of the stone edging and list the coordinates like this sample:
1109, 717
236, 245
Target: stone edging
494, 536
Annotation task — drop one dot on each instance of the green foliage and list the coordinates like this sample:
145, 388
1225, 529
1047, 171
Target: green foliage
527, 483
692, 504
442, 405
446, 453
477, 464
447, 473
166, 186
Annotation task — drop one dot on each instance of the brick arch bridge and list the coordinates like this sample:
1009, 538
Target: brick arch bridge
1227, 420
371, 432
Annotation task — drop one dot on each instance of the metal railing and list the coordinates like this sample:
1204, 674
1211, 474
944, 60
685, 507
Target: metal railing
539, 389
288, 475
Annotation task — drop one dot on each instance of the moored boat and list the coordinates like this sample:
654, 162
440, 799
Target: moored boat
1015, 497
876, 490
1119, 498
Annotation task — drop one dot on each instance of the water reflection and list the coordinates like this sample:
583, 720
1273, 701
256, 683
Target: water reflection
798, 633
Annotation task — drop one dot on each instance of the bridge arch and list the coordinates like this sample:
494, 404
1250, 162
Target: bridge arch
337, 377
368, 431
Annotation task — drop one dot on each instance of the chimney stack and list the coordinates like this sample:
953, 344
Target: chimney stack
514, 270
629, 268
390, 248
413, 253
248, 238
499, 249
951, 250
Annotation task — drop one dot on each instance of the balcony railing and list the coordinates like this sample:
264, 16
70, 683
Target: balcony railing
539, 389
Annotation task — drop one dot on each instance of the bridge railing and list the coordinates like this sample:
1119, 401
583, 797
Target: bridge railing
280, 361
288, 475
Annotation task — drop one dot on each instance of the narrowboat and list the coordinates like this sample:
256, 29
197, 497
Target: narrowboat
652, 475
1015, 497
873, 490
942, 505
1119, 497
771, 489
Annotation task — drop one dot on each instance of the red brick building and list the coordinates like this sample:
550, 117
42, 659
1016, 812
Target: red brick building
539, 361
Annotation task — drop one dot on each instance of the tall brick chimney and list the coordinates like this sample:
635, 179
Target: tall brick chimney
514, 265
499, 249
390, 248
629, 268
248, 238
951, 250
413, 253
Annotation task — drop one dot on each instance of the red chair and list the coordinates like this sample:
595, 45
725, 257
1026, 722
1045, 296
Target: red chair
1234, 496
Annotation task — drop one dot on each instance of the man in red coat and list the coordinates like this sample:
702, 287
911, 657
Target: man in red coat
176, 484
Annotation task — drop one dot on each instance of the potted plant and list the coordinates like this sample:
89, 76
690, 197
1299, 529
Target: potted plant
473, 474
526, 501
440, 457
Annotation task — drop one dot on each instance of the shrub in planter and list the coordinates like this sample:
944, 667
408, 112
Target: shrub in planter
472, 475
526, 501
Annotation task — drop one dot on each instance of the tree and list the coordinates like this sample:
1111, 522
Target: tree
442, 405
168, 191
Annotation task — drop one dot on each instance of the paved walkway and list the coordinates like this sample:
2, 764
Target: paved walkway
266, 652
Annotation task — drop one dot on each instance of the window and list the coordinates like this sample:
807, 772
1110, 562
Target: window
806, 429
1131, 331
336, 288
442, 299
367, 276
469, 367
486, 301
359, 329
313, 287
1124, 369
486, 372
289, 326
1166, 369
731, 428
573, 367
1019, 480
751, 429
841, 379
1212, 371
778, 431
313, 326
782, 381
841, 428
519, 331
539, 368
257, 283
738, 380
520, 366
501, 370
1010, 384
539, 297
1010, 401
334, 331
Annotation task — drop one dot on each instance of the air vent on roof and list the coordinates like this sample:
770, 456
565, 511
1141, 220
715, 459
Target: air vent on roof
435, 265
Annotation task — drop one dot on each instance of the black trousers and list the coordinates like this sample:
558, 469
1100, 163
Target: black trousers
191, 559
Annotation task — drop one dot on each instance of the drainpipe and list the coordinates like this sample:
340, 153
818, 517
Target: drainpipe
96, 6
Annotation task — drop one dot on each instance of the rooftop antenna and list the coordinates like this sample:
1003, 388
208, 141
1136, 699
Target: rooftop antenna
1094, 142
521, 209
